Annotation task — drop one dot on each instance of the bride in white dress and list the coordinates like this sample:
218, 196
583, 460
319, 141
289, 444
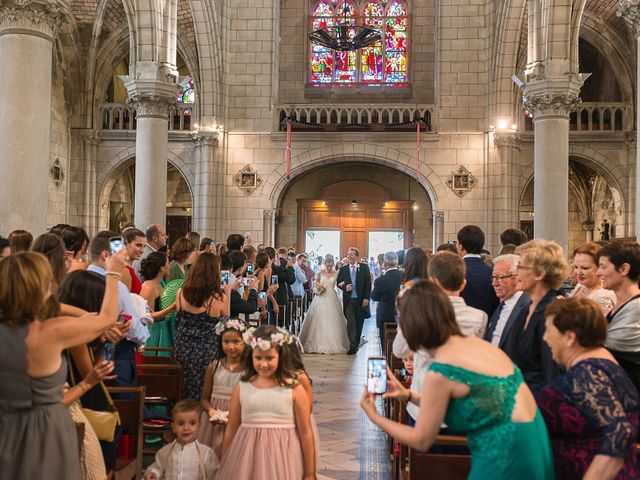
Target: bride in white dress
325, 327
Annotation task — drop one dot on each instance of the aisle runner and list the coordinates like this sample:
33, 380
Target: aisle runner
351, 446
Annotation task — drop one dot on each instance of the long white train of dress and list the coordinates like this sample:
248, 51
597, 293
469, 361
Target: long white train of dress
324, 329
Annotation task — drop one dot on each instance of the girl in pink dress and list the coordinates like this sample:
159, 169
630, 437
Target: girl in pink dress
222, 376
269, 433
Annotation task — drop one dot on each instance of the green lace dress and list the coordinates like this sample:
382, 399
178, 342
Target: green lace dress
500, 448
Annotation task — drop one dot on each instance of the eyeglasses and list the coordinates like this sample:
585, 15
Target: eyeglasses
524, 267
500, 278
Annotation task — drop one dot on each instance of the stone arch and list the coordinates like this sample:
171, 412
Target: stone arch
360, 152
108, 174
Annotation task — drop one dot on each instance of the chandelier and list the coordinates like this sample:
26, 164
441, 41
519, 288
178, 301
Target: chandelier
345, 37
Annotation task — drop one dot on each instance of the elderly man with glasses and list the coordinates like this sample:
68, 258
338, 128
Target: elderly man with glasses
513, 302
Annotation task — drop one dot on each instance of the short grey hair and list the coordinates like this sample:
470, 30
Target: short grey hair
391, 259
510, 259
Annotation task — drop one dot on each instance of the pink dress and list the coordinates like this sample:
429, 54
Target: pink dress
211, 434
266, 445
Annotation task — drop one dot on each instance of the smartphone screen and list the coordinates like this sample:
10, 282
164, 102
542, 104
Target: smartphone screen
247, 234
274, 279
225, 277
245, 281
250, 269
109, 351
262, 295
116, 244
377, 375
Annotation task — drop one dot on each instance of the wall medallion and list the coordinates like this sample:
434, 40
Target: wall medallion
247, 179
461, 181
57, 174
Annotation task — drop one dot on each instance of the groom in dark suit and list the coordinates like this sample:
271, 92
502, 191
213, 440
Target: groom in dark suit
354, 279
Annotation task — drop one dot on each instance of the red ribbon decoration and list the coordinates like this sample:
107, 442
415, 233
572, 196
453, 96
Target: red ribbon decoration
418, 149
288, 152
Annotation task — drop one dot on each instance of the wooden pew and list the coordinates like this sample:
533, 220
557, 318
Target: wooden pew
440, 466
131, 412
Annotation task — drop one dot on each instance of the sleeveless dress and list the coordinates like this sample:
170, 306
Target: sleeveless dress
195, 348
324, 329
211, 434
500, 449
266, 445
38, 438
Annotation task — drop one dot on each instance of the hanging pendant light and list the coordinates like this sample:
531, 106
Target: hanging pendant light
339, 38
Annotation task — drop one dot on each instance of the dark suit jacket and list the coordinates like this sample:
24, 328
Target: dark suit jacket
385, 290
286, 277
239, 305
363, 283
528, 350
479, 292
520, 308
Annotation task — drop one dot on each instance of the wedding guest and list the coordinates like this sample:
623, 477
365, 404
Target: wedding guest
52, 247
235, 241
251, 253
619, 269
244, 299
156, 241
134, 243
513, 236
541, 270
473, 387
76, 243
194, 238
513, 302
416, 266
591, 410
447, 247
32, 417
478, 292
20, 241
585, 268
207, 245
301, 278
201, 304
179, 256
385, 291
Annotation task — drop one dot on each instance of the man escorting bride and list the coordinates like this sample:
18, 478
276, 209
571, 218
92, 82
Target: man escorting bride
325, 327
330, 327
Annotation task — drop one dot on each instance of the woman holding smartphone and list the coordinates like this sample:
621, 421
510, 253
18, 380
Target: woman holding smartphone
473, 387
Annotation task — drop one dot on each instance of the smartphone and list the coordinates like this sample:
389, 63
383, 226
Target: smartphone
247, 234
116, 244
245, 281
377, 375
274, 279
262, 295
109, 351
250, 269
291, 256
225, 277
452, 242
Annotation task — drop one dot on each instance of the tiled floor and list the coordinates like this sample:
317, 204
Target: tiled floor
351, 447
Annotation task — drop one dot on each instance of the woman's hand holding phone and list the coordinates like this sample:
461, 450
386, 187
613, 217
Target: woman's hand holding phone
272, 289
116, 262
99, 373
395, 389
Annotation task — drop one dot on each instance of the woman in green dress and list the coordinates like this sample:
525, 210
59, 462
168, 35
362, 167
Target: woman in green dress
473, 387
180, 259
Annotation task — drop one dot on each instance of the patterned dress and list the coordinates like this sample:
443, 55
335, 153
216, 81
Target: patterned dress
500, 448
592, 409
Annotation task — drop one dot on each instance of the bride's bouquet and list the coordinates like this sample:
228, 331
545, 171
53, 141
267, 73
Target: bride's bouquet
319, 288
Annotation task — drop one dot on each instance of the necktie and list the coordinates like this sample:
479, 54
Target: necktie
493, 322
353, 282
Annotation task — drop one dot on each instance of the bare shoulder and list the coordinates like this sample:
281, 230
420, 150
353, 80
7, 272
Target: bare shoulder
476, 355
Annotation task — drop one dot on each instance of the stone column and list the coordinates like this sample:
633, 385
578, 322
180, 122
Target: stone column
504, 194
153, 101
551, 101
268, 227
27, 31
438, 229
205, 205
630, 11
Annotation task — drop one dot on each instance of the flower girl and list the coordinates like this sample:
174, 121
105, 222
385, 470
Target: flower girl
222, 376
269, 434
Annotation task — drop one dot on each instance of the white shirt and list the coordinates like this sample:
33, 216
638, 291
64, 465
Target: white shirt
505, 313
185, 462
472, 322
301, 278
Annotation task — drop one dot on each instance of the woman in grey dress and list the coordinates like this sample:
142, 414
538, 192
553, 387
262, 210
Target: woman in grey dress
38, 438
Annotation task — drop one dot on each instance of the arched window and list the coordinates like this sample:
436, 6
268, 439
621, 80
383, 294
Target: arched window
384, 63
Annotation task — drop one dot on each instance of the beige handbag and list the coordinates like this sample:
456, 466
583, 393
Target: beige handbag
104, 423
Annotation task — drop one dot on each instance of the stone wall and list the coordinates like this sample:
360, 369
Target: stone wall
59, 141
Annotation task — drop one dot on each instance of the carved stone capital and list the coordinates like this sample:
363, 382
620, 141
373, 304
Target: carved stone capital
551, 104
629, 10
151, 106
506, 140
269, 214
205, 138
438, 216
42, 18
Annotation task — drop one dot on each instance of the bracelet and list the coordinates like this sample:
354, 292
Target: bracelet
112, 274
84, 387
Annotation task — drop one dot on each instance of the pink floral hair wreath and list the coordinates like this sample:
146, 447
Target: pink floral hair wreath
280, 338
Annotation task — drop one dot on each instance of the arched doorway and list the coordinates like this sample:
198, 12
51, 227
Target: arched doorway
592, 202
361, 204
179, 201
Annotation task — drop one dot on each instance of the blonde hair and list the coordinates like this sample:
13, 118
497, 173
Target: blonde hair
25, 279
546, 257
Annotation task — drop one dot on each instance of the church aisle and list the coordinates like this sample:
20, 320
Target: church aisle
351, 447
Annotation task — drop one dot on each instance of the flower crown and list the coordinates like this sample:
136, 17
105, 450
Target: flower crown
233, 324
280, 338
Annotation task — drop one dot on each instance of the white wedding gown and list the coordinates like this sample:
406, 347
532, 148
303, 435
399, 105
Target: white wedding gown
325, 327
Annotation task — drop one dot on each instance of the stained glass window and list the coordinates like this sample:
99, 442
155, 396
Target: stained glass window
188, 94
384, 63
